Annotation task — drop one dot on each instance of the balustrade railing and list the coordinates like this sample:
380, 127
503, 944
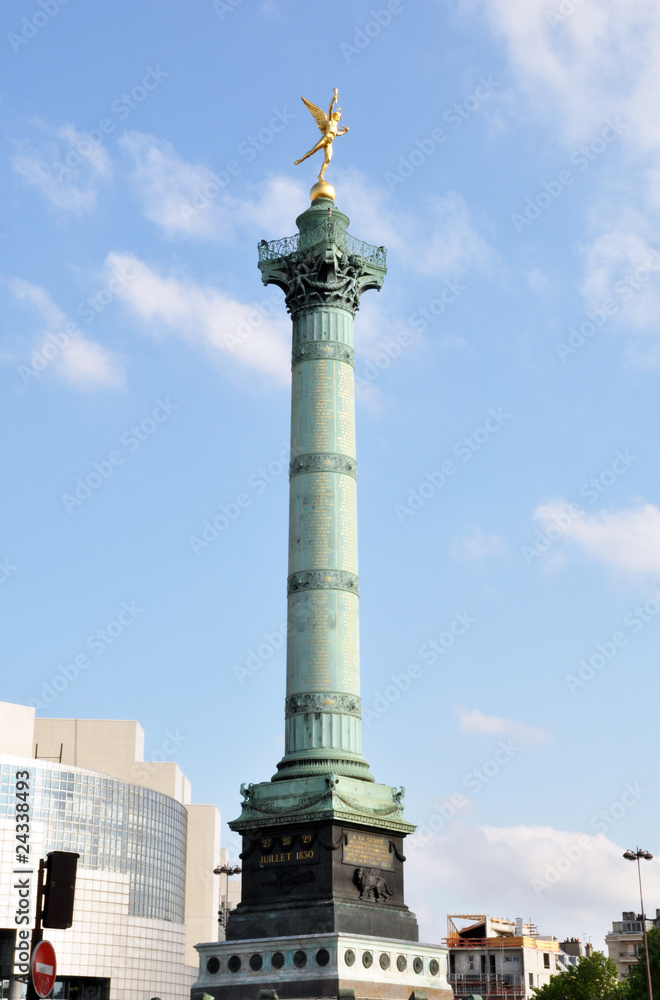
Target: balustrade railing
321, 235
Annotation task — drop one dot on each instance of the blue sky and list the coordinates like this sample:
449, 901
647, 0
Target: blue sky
506, 153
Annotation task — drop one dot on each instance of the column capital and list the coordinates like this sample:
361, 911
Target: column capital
322, 265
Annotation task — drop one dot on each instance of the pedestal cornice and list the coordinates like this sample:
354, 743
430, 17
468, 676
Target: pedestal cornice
321, 797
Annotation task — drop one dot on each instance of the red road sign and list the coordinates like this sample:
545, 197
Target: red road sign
43, 968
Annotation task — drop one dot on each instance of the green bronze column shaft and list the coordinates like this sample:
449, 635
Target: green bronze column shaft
323, 272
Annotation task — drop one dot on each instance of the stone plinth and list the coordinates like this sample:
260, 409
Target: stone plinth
320, 965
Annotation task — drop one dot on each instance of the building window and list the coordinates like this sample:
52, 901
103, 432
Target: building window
136, 831
546, 960
531, 979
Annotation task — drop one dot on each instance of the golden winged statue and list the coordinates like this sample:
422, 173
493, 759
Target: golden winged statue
329, 125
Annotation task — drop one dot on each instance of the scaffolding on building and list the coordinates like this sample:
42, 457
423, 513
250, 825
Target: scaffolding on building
489, 981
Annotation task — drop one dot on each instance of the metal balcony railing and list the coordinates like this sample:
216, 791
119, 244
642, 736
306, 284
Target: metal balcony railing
327, 232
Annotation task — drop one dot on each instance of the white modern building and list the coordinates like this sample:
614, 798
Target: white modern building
498, 958
626, 936
145, 890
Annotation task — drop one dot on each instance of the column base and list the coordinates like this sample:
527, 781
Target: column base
302, 765
295, 967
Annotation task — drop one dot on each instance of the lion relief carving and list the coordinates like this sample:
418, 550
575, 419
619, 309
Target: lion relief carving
371, 885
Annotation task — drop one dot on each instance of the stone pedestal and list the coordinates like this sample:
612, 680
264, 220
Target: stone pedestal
323, 965
324, 876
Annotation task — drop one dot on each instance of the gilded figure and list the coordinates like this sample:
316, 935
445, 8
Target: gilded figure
329, 125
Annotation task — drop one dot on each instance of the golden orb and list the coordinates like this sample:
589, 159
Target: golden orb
322, 190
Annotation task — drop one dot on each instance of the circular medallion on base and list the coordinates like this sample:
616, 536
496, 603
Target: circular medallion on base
322, 190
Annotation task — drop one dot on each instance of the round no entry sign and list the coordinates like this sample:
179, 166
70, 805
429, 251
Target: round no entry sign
43, 968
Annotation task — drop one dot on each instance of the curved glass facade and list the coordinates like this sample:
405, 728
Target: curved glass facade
113, 826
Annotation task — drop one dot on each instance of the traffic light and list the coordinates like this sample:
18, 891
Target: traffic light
60, 888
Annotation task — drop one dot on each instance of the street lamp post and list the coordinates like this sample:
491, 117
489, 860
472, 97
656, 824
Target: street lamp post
226, 870
635, 856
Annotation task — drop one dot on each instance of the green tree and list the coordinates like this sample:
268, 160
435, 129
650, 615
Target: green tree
637, 977
593, 978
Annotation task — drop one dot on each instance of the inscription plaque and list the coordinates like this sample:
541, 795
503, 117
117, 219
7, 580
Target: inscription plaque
365, 849
287, 849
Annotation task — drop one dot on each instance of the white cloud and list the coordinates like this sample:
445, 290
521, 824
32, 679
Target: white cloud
38, 297
182, 198
627, 540
90, 152
477, 545
601, 60
270, 212
65, 166
253, 336
441, 241
612, 257
86, 364
580, 65
501, 870
474, 721
62, 348
622, 276
191, 200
